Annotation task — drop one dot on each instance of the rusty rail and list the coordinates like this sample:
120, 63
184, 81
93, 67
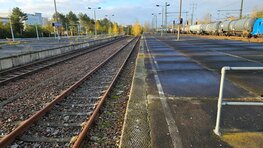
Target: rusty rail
97, 109
27, 123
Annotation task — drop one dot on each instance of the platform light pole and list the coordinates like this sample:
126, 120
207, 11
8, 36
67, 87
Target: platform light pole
193, 11
162, 19
179, 25
109, 21
12, 31
37, 32
109, 16
164, 8
165, 14
94, 10
241, 9
56, 12
153, 23
156, 20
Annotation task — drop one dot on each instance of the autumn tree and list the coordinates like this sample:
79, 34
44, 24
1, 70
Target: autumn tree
30, 31
121, 29
110, 30
115, 29
128, 29
257, 13
5, 30
72, 19
105, 23
47, 30
85, 22
17, 18
61, 18
136, 29
98, 27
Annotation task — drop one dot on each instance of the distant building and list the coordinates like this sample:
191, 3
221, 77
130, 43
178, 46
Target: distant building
4, 20
34, 19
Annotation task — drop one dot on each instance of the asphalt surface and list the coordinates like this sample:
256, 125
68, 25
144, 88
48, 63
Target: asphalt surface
183, 79
212, 55
191, 67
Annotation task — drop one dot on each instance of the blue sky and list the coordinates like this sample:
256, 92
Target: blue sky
129, 11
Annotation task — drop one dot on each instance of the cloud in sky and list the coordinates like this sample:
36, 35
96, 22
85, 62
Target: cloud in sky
128, 11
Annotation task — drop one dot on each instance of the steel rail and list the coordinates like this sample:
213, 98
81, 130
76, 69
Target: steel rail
92, 118
28, 122
53, 61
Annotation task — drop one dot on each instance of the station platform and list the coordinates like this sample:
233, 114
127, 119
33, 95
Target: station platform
173, 101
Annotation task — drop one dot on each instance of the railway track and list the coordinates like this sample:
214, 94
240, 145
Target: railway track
65, 121
27, 69
23, 97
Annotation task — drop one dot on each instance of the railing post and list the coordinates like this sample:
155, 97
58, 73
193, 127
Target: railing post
220, 100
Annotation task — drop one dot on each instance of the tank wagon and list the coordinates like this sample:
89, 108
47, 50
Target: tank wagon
242, 27
212, 28
247, 27
195, 29
203, 28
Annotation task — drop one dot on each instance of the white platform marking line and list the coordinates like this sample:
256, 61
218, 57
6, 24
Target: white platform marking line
173, 129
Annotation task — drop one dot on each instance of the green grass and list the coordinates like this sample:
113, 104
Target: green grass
115, 97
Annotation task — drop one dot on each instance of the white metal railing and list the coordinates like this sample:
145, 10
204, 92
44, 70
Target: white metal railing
220, 99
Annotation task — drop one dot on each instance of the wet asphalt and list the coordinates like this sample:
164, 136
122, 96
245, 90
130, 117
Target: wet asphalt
191, 67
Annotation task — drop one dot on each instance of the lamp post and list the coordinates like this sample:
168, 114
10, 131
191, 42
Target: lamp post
156, 20
109, 16
109, 21
55, 4
164, 8
95, 30
37, 32
166, 5
12, 31
179, 25
67, 29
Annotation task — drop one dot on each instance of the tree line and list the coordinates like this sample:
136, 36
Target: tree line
71, 24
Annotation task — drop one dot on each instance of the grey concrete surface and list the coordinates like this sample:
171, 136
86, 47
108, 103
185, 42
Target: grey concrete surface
136, 131
24, 58
32, 44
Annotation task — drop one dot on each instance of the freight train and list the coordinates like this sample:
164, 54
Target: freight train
249, 27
